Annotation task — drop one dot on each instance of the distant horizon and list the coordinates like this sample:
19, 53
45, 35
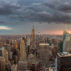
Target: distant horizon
55, 32
29, 34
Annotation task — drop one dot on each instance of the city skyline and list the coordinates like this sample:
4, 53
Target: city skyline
48, 16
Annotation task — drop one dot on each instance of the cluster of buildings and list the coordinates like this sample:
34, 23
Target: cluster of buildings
27, 53
34, 53
64, 53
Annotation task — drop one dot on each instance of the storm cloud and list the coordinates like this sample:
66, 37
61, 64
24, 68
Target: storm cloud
45, 12
7, 7
42, 11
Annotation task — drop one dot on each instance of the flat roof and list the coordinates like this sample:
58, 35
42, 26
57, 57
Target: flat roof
44, 44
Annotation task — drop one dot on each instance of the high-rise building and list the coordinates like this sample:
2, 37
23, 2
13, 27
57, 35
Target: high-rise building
28, 41
22, 49
44, 53
33, 38
22, 64
33, 42
63, 62
27, 45
67, 43
16, 44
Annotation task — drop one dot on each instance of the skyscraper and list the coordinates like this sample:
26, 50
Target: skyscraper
33, 40
22, 64
22, 49
67, 43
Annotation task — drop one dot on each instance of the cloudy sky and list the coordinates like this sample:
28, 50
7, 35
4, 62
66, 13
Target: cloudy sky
48, 16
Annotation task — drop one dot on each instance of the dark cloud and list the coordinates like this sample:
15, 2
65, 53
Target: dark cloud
65, 8
8, 9
5, 11
53, 11
45, 12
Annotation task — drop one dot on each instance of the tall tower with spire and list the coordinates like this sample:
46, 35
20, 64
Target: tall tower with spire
33, 34
33, 40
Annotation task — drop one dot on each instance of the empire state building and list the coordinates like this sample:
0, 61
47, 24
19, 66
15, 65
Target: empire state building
33, 40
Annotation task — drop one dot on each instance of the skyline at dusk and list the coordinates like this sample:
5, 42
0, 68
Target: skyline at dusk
35, 35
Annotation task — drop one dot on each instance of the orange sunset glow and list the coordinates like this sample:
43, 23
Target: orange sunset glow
55, 32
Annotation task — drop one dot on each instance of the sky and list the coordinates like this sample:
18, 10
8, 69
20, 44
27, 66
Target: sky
48, 16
